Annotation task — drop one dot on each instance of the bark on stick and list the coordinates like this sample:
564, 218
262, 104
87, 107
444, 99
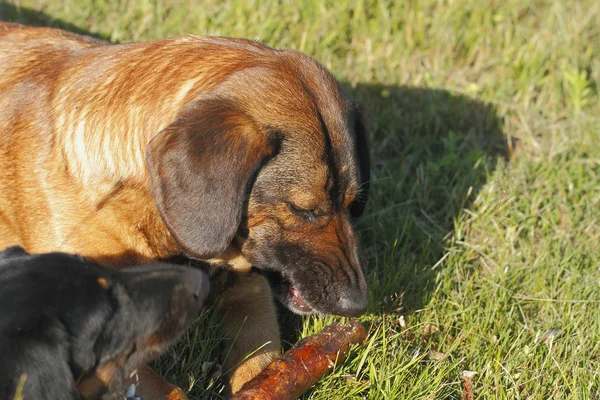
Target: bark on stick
299, 368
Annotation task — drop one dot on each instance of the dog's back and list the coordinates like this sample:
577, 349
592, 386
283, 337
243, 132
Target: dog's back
24, 49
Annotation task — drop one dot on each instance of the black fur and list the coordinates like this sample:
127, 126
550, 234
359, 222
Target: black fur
63, 319
364, 161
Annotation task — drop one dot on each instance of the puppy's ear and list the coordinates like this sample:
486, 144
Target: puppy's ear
12, 252
362, 151
201, 169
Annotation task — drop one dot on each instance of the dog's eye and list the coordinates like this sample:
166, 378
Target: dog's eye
306, 214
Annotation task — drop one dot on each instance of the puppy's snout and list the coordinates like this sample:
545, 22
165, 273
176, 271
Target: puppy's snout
196, 283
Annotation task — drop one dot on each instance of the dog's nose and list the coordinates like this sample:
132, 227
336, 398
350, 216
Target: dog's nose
196, 282
353, 304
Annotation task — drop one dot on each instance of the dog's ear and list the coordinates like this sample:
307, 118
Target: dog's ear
362, 151
201, 169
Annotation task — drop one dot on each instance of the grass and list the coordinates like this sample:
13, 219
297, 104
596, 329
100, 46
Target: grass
483, 226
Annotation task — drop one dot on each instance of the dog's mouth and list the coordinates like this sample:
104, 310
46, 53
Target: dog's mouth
287, 293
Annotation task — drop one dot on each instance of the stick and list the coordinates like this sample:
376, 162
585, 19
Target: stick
292, 374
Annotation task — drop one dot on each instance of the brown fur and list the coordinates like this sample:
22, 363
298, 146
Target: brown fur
222, 149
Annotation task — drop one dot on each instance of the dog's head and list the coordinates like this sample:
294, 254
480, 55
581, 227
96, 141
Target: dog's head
153, 306
273, 162
61, 310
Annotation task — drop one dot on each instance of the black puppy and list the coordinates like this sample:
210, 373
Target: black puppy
70, 329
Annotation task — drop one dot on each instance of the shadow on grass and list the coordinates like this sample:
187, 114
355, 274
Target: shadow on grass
28, 16
431, 151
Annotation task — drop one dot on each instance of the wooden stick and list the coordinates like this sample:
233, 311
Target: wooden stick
299, 368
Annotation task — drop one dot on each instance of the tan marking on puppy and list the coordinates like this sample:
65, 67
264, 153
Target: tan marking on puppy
103, 282
94, 386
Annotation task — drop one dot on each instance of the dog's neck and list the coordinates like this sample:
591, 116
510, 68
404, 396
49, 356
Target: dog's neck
105, 121
234, 258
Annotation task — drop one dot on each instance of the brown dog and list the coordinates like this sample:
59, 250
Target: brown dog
222, 150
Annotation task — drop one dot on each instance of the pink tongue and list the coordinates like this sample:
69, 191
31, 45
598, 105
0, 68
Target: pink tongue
297, 297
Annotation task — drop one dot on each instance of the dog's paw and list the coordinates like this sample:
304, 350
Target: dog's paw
249, 368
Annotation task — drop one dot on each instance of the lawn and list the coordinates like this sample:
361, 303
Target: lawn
482, 233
